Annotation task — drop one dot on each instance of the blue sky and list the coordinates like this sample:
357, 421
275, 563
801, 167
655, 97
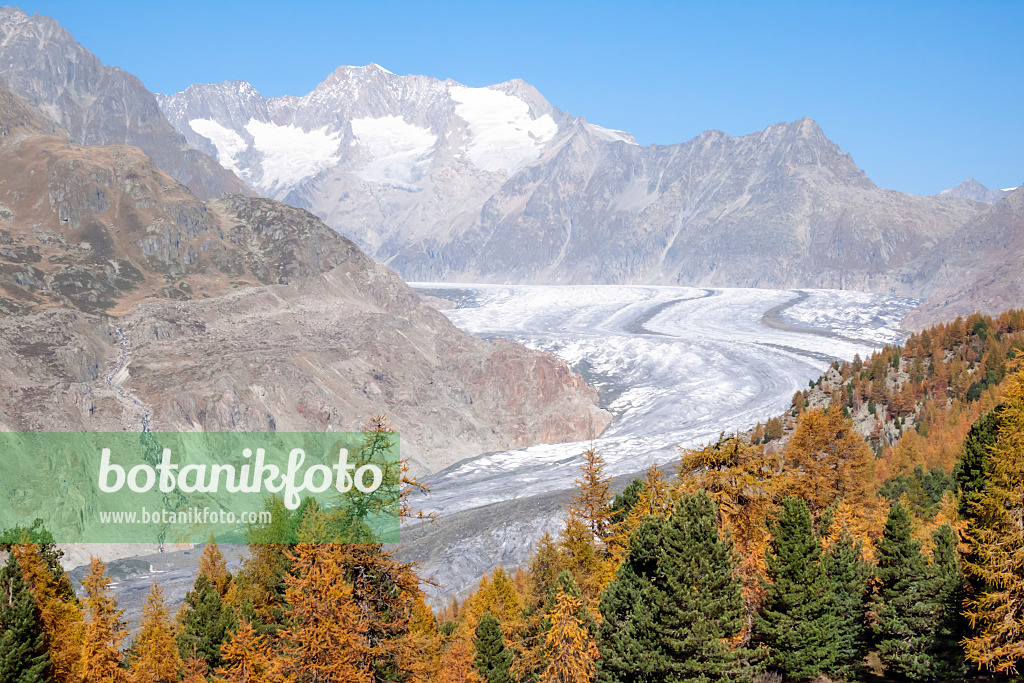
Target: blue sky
922, 94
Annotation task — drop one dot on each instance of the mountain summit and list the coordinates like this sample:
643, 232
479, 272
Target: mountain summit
972, 189
97, 104
445, 182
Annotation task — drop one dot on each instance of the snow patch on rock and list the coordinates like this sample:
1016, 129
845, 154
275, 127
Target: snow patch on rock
504, 137
399, 149
291, 154
229, 144
611, 134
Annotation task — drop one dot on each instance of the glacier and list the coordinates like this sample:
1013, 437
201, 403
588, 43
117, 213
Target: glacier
676, 366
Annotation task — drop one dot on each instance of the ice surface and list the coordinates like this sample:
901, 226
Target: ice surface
675, 365
229, 144
291, 154
504, 135
397, 148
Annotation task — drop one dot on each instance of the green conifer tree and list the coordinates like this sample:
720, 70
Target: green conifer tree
797, 622
850, 576
970, 471
24, 651
675, 603
628, 639
493, 661
205, 623
952, 626
906, 609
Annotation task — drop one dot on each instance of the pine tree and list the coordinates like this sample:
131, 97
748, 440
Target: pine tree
205, 622
675, 603
797, 621
24, 651
906, 608
624, 502
592, 496
850, 576
104, 630
568, 644
970, 472
950, 629
997, 544
493, 661
324, 639
154, 655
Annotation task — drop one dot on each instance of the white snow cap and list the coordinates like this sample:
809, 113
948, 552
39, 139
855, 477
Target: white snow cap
504, 136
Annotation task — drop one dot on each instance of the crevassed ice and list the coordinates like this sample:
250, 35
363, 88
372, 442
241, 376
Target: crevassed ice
229, 144
504, 135
398, 149
291, 154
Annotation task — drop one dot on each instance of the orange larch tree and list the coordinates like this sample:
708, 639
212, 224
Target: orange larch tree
105, 631
154, 654
569, 647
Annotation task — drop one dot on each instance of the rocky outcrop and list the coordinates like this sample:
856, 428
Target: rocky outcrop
97, 104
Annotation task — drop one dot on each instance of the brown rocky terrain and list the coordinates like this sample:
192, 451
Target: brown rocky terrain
128, 303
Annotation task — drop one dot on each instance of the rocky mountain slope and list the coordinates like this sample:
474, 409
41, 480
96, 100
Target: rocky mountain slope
97, 104
127, 303
980, 268
441, 181
972, 189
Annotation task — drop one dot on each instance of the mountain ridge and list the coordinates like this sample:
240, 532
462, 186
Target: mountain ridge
127, 303
98, 104
580, 203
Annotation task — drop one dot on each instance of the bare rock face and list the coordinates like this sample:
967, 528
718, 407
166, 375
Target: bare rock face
127, 304
980, 268
97, 104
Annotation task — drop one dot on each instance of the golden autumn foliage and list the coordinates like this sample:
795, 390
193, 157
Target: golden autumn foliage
457, 663
100, 658
569, 648
324, 636
827, 460
997, 544
194, 670
745, 484
655, 500
154, 655
247, 657
590, 500
62, 618
213, 566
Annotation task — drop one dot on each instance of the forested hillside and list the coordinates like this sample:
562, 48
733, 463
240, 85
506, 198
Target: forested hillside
873, 530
